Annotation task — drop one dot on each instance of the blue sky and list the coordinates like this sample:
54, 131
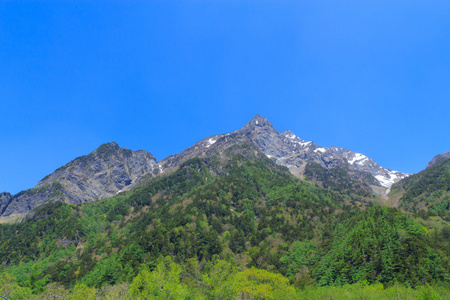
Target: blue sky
370, 76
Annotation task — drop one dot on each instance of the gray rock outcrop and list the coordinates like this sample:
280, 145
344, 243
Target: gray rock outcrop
5, 199
103, 173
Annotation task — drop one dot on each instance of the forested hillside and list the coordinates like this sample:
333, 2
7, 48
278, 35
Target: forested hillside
231, 226
427, 191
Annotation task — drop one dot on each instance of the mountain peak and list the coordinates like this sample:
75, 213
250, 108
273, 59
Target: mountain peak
111, 145
288, 134
258, 121
108, 149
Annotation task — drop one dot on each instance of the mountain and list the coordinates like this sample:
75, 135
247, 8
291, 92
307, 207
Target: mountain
438, 158
103, 173
198, 228
288, 150
428, 190
224, 219
111, 169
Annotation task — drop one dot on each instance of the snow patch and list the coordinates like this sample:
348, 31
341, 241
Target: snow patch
291, 136
320, 149
388, 190
295, 139
362, 162
304, 144
389, 179
356, 158
384, 180
210, 142
160, 168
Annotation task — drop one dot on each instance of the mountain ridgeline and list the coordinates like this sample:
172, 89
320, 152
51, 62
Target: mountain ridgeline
251, 214
224, 220
111, 169
103, 173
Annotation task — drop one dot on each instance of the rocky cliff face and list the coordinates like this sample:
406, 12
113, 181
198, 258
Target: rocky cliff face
103, 173
287, 149
5, 198
438, 158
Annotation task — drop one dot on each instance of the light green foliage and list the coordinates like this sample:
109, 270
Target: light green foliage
162, 283
220, 282
261, 284
36, 282
10, 289
362, 290
81, 291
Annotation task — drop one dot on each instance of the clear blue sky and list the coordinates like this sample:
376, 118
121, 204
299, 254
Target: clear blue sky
370, 76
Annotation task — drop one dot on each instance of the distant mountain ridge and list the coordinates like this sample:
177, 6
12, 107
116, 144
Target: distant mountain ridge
110, 169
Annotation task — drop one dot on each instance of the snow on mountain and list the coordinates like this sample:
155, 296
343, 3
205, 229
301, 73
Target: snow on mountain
287, 149
293, 152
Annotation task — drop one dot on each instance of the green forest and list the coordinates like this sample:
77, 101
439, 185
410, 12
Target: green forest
236, 226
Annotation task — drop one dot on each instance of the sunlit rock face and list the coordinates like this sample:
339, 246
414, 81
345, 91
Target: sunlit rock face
103, 173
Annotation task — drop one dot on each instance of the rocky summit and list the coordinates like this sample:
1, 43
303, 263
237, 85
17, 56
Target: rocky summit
103, 173
287, 149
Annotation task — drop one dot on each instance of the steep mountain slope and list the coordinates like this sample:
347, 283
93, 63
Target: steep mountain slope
352, 182
104, 172
5, 199
428, 190
288, 150
291, 151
